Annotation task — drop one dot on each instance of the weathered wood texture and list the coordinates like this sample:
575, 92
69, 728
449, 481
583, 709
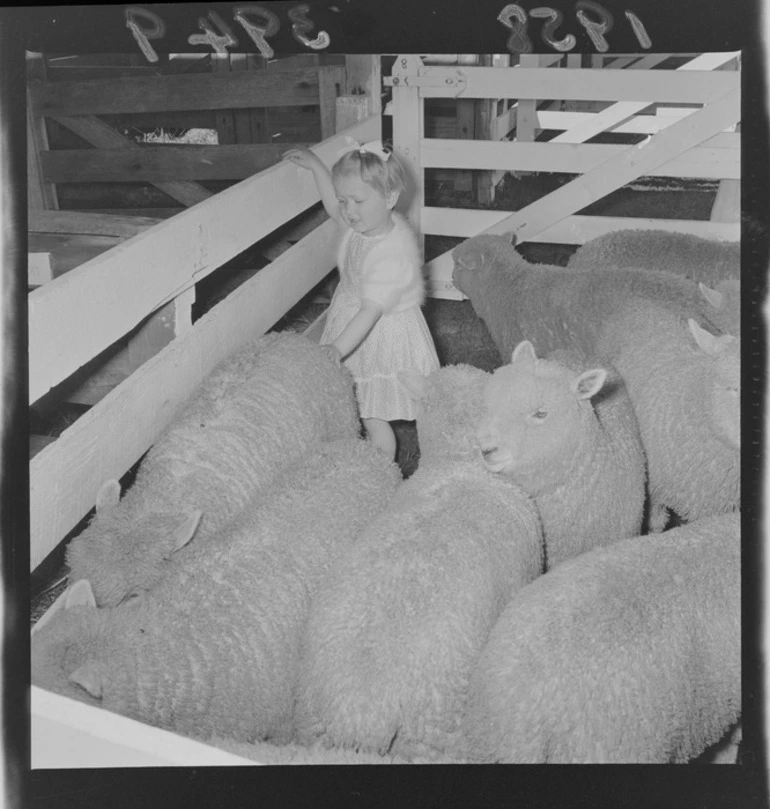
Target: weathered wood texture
116, 290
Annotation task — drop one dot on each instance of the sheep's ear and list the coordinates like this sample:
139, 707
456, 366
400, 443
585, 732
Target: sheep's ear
417, 384
589, 383
713, 296
707, 342
185, 531
108, 495
90, 677
80, 594
524, 354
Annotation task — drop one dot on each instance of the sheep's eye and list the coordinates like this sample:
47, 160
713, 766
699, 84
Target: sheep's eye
540, 415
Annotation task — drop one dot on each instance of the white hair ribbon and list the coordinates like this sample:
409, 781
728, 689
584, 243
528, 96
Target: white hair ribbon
372, 147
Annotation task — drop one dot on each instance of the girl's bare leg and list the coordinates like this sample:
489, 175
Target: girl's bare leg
381, 434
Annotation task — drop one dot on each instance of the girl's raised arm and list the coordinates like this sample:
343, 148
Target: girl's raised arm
323, 179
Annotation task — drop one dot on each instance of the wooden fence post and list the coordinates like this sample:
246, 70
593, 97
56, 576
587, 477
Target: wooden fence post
408, 128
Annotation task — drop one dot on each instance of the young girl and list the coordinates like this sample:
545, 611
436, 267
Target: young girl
374, 322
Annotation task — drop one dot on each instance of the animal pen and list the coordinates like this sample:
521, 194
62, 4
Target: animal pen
131, 271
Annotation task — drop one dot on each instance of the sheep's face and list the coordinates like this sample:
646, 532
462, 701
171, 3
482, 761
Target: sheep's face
475, 259
536, 414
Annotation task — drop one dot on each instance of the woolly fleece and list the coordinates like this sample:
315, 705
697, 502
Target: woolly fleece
254, 415
214, 650
627, 654
687, 403
706, 260
396, 627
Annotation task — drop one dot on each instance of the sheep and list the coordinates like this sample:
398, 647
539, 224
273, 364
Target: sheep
684, 384
394, 629
567, 434
213, 650
257, 412
701, 260
630, 653
556, 307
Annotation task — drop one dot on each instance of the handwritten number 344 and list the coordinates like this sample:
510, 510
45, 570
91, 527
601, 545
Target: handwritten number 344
596, 20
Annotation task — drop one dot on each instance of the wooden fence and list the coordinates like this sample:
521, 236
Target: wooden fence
75, 317
688, 117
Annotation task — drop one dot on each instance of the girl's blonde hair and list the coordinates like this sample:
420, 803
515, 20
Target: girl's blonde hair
385, 176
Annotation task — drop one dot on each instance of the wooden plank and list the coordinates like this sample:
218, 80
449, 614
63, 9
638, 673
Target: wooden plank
66, 733
137, 213
219, 91
332, 82
102, 136
66, 476
117, 290
39, 268
39, 194
708, 161
224, 119
408, 128
526, 108
162, 163
88, 223
638, 124
727, 205
651, 86
349, 110
575, 229
364, 78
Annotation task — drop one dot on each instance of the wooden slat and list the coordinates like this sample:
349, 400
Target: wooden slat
408, 128
720, 160
103, 136
161, 163
332, 82
66, 733
88, 223
118, 289
248, 88
66, 476
39, 268
580, 85
575, 229
41, 195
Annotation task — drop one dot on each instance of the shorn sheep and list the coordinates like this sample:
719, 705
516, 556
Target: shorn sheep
567, 434
684, 383
396, 626
630, 653
256, 413
702, 260
556, 307
213, 649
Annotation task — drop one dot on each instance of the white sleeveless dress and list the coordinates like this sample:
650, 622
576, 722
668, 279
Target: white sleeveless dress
387, 269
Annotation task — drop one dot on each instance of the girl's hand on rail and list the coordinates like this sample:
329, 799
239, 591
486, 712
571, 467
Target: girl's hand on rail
301, 157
